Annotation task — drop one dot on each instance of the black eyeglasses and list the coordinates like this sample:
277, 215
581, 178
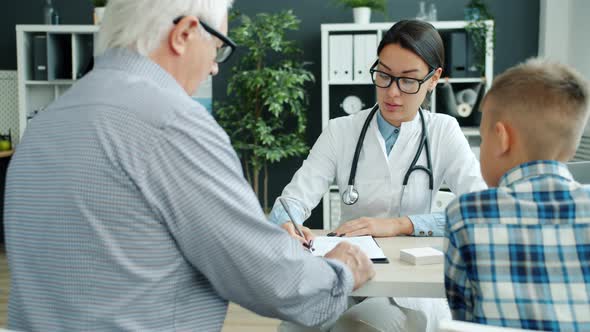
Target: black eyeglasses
406, 85
223, 52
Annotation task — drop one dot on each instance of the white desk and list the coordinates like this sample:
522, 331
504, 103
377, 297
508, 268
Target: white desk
401, 279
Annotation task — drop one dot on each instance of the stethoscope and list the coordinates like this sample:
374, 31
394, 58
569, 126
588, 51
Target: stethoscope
351, 195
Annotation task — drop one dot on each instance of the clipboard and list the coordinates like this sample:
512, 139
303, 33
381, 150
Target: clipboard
323, 244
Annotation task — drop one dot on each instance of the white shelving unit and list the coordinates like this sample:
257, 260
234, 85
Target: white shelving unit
68, 48
347, 79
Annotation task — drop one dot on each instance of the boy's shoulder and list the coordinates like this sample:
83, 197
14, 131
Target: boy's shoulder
521, 203
476, 207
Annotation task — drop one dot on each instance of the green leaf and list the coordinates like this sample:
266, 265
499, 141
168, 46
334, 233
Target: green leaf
265, 114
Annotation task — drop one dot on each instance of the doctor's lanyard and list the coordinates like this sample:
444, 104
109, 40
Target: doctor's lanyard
351, 195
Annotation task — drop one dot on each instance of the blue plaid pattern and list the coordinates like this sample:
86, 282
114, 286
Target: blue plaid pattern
519, 255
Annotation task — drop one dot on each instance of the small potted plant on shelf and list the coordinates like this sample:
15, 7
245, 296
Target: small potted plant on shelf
361, 9
98, 10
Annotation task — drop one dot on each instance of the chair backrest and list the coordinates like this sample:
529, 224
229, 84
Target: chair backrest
580, 170
458, 326
441, 200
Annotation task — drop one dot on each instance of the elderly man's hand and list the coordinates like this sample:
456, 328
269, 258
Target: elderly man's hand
288, 226
358, 262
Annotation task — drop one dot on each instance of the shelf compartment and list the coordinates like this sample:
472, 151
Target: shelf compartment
82, 53
38, 98
59, 56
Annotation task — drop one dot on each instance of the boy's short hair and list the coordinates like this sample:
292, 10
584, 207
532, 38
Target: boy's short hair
547, 102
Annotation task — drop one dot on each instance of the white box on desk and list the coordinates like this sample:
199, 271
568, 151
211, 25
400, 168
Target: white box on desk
422, 256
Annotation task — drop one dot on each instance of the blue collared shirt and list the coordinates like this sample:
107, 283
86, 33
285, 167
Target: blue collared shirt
519, 255
389, 132
424, 224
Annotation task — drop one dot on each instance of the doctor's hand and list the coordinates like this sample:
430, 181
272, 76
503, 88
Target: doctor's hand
378, 227
288, 226
359, 263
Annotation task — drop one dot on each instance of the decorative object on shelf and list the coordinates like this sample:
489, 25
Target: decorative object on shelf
476, 13
361, 9
422, 15
447, 99
267, 113
432, 12
462, 104
50, 15
99, 6
352, 104
6, 141
465, 102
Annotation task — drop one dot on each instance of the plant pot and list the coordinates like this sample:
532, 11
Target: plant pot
98, 14
362, 15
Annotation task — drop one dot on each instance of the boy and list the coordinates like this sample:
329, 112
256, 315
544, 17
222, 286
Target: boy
518, 254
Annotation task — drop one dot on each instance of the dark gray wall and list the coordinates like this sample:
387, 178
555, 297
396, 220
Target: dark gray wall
31, 12
517, 26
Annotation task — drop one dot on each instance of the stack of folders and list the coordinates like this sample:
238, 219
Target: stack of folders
323, 244
421, 256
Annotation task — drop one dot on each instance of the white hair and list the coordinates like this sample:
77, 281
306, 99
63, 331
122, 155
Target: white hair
141, 25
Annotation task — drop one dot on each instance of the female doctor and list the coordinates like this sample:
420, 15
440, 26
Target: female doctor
403, 157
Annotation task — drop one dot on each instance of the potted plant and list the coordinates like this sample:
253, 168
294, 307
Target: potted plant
266, 115
361, 9
476, 13
99, 10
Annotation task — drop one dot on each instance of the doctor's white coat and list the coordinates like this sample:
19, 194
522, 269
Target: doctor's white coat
379, 176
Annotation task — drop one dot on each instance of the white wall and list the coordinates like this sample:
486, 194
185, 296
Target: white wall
580, 36
554, 36
564, 34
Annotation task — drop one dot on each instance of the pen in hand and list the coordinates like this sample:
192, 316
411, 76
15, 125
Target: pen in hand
307, 244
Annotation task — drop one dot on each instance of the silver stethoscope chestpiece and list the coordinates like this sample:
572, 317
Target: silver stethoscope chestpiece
350, 195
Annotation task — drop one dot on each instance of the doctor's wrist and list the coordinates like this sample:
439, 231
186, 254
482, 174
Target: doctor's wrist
404, 226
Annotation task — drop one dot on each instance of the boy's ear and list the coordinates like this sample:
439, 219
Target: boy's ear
505, 137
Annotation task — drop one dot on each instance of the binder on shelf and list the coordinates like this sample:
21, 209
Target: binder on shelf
365, 54
39, 51
457, 54
371, 44
340, 60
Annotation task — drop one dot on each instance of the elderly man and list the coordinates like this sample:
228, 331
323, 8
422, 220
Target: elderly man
141, 219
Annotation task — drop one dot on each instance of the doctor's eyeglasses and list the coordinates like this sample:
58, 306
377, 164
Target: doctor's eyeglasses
406, 85
223, 52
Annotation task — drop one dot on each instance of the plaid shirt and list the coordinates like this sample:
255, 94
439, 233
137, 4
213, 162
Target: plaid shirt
519, 255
